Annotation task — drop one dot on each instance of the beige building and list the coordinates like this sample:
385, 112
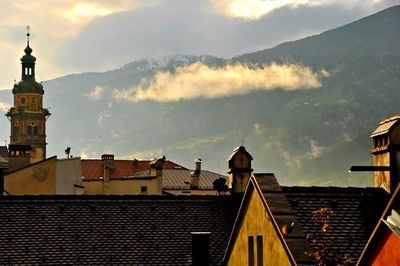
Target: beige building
48, 177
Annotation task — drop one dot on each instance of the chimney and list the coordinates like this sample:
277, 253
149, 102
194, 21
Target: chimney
200, 248
239, 169
195, 175
108, 166
386, 153
18, 156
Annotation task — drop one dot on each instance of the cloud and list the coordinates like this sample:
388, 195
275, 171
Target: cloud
201, 81
96, 94
4, 106
99, 35
255, 9
53, 23
316, 150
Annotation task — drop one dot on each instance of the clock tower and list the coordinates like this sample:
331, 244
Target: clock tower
27, 116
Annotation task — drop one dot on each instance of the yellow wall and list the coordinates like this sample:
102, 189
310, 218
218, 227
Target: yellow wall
256, 223
123, 187
382, 178
33, 180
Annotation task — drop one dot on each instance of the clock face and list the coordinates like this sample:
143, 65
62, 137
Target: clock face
40, 173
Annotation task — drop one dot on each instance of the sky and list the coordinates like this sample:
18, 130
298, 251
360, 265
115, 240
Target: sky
100, 35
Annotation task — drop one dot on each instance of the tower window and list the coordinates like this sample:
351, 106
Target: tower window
32, 129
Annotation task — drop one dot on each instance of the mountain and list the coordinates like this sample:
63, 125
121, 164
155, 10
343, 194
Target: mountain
303, 136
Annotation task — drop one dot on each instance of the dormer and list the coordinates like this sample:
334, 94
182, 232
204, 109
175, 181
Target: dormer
386, 152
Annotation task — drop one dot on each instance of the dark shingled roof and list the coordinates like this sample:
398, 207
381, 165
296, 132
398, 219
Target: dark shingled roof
284, 216
104, 230
355, 213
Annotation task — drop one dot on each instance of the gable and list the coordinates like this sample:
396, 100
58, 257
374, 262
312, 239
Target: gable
254, 224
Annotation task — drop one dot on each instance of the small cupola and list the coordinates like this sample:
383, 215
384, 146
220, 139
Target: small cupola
28, 82
28, 60
239, 169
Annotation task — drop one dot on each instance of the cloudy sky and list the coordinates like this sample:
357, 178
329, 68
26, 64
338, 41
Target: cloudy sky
98, 35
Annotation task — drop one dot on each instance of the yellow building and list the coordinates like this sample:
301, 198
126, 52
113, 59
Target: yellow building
151, 184
48, 177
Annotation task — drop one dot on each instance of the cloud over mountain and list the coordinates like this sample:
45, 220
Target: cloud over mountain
202, 81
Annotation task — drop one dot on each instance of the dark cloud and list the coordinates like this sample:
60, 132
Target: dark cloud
191, 27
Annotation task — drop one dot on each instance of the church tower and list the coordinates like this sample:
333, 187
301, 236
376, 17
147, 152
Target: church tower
27, 116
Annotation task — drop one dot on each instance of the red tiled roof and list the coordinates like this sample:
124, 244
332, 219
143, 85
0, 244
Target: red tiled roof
93, 169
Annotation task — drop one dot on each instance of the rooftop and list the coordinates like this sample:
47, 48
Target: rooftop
93, 169
353, 214
179, 178
152, 230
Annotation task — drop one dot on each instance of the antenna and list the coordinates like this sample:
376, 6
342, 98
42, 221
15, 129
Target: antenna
67, 151
242, 142
27, 33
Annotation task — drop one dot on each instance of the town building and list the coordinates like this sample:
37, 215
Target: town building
147, 177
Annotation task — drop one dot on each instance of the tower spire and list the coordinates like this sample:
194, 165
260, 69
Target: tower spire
27, 35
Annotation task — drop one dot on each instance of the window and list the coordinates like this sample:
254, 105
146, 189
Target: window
251, 250
143, 190
260, 258
32, 129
